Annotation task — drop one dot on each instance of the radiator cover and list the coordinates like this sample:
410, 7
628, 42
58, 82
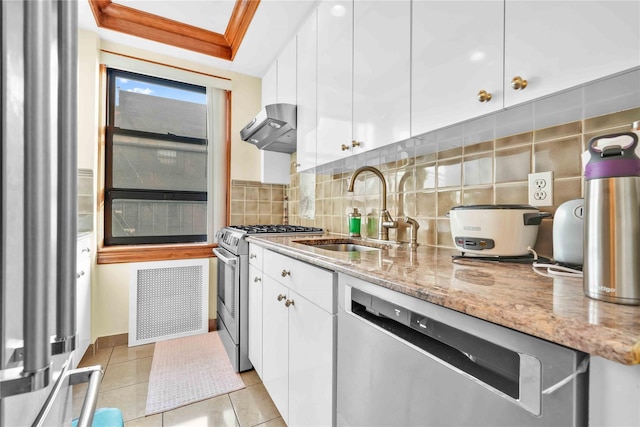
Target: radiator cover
168, 299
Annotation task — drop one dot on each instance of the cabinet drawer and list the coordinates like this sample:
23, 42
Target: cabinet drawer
255, 255
316, 284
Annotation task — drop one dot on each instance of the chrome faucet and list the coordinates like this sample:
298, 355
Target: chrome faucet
385, 222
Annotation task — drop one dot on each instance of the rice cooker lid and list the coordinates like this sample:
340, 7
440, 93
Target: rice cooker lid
493, 207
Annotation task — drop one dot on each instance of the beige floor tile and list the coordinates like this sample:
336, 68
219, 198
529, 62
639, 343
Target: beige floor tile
215, 412
278, 422
131, 400
152, 421
250, 378
253, 405
100, 358
126, 373
123, 353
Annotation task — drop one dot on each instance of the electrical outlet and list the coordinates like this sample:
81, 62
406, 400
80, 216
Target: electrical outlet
541, 189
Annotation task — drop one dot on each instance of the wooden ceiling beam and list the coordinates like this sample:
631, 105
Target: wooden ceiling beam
146, 25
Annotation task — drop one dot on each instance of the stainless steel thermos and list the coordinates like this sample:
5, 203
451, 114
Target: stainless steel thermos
612, 221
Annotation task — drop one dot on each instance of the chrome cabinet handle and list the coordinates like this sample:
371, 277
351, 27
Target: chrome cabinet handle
285, 273
281, 297
252, 256
288, 303
484, 96
518, 83
85, 251
256, 279
80, 274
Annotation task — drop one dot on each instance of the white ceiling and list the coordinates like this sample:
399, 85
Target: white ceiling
273, 25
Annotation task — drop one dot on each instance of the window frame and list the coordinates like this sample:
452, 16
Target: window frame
112, 193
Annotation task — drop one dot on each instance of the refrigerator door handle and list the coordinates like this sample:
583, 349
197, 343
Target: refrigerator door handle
69, 377
65, 339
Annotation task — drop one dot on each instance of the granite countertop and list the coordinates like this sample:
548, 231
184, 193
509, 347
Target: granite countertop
511, 295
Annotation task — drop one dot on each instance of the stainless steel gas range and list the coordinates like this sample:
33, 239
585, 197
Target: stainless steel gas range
233, 284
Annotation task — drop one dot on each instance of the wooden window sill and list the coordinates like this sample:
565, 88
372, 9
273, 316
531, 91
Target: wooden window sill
144, 253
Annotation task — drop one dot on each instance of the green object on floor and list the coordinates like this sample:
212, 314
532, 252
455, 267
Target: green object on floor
105, 417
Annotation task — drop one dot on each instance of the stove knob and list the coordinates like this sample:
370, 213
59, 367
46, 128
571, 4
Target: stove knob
235, 241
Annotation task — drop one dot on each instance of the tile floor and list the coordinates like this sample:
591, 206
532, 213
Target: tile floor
124, 386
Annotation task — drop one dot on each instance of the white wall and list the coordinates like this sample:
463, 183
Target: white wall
110, 287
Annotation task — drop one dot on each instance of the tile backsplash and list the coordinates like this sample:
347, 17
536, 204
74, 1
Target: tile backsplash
426, 186
256, 203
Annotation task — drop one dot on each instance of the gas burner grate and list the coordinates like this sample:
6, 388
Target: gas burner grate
277, 228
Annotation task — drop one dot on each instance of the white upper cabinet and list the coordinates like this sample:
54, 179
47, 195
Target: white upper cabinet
457, 52
286, 88
306, 93
334, 88
381, 73
554, 45
270, 85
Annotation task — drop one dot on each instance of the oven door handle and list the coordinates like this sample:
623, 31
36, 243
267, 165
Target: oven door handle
222, 257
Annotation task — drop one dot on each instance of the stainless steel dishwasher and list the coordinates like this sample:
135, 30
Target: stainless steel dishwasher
406, 362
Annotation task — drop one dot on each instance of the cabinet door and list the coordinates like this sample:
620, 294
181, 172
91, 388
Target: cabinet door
255, 318
306, 92
457, 51
555, 45
311, 363
286, 80
275, 344
83, 298
335, 34
269, 85
381, 72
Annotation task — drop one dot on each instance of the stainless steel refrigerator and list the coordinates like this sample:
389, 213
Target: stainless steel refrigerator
38, 215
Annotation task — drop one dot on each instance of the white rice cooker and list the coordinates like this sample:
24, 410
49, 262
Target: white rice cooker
495, 230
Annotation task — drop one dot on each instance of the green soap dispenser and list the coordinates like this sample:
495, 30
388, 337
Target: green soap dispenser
354, 223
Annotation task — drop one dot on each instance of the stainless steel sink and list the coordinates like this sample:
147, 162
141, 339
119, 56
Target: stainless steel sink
346, 247
343, 245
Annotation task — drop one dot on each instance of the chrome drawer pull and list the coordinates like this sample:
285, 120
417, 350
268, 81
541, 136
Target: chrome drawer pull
288, 302
281, 297
80, 274
285, 273
256, 279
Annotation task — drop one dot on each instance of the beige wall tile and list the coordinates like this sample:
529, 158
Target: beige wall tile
560, 156
264, 193
478, 170
237, 193
449, 173
447, 200
250, 208
622, 118
513, 164
478, 196
237, 207
264, 208
425, 176
555, 132
511, 141
478, 148
511, 194
426, 204
426, 158
450, 153
443, 233
252, 193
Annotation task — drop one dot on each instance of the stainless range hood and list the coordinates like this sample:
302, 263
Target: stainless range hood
273, 129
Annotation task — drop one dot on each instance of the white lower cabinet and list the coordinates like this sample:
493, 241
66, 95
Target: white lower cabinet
298, 340
255, 318
83, 297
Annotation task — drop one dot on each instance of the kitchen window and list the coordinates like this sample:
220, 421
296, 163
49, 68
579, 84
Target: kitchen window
157, 157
